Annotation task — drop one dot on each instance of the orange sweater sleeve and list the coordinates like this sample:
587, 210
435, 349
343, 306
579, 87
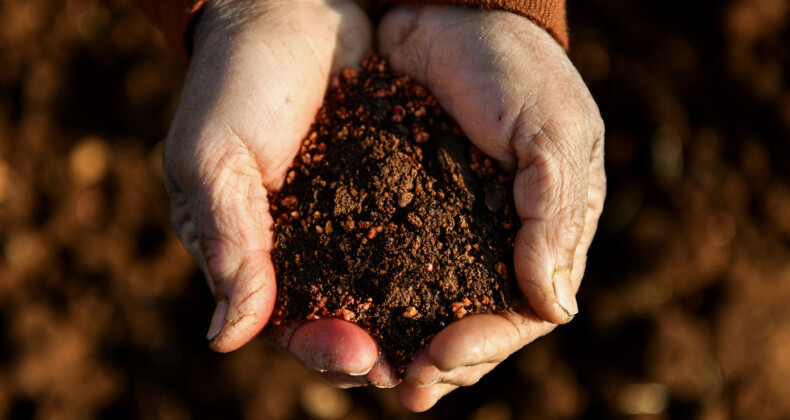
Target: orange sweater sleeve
548, 14
175, 17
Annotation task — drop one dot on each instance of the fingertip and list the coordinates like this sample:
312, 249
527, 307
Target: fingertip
248, 306
383, 375
460, 343
334, 345
217, 320
545, 302
564, 292
421, 372
418, 400
547, 285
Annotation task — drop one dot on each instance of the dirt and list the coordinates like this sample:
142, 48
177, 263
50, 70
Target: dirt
390, 218
683, 309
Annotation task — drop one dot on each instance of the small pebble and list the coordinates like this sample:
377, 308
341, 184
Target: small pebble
348, 73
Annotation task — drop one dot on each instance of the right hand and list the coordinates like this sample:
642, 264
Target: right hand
257, 77
515, 93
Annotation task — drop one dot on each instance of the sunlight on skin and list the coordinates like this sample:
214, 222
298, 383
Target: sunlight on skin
258, 75
518, 97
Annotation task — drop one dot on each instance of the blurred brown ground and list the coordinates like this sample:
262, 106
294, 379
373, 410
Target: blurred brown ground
684, 311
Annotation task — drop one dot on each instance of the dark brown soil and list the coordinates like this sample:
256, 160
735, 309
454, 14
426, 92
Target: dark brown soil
389, 219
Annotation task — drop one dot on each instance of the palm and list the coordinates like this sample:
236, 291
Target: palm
516, 95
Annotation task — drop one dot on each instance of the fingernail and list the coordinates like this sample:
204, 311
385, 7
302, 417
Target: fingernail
217, 320
564, 291
361, 373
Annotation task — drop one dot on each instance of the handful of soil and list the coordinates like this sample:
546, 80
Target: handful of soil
389, 218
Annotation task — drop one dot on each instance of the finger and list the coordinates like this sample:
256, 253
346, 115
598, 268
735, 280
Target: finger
380, 376
334, 345
596, 195
422, 373
469, 375
421, 399
484, 338
353, 347
551, 195
244, 302
221, 213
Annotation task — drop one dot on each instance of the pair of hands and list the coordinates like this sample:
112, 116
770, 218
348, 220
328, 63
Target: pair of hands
257, 77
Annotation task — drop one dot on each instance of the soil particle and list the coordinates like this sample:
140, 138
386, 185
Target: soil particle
425, 223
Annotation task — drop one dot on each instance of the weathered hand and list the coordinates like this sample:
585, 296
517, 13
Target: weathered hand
514, 92
257, 77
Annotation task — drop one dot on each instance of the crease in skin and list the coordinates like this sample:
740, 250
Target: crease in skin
242, 315
408, 31
249, 295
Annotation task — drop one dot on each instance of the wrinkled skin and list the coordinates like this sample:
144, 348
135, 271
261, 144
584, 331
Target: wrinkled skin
256, 79
517, 96
258, 75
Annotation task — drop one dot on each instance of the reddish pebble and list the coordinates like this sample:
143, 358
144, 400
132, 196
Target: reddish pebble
349, 315
429, 267
460, 313
348, 73
501, 269
411, 312
289, 201
372, 233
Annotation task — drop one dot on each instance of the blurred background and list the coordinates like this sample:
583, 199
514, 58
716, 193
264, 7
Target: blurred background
685, 309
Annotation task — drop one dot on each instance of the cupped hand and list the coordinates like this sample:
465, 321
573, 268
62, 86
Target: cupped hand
517, 96
257, 77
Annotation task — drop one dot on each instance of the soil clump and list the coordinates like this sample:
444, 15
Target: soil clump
390, 218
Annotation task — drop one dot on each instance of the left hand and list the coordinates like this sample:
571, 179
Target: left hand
517, 96
258, 74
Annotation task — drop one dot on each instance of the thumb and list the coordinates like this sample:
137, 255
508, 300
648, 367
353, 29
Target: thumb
550, 192
221, 213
